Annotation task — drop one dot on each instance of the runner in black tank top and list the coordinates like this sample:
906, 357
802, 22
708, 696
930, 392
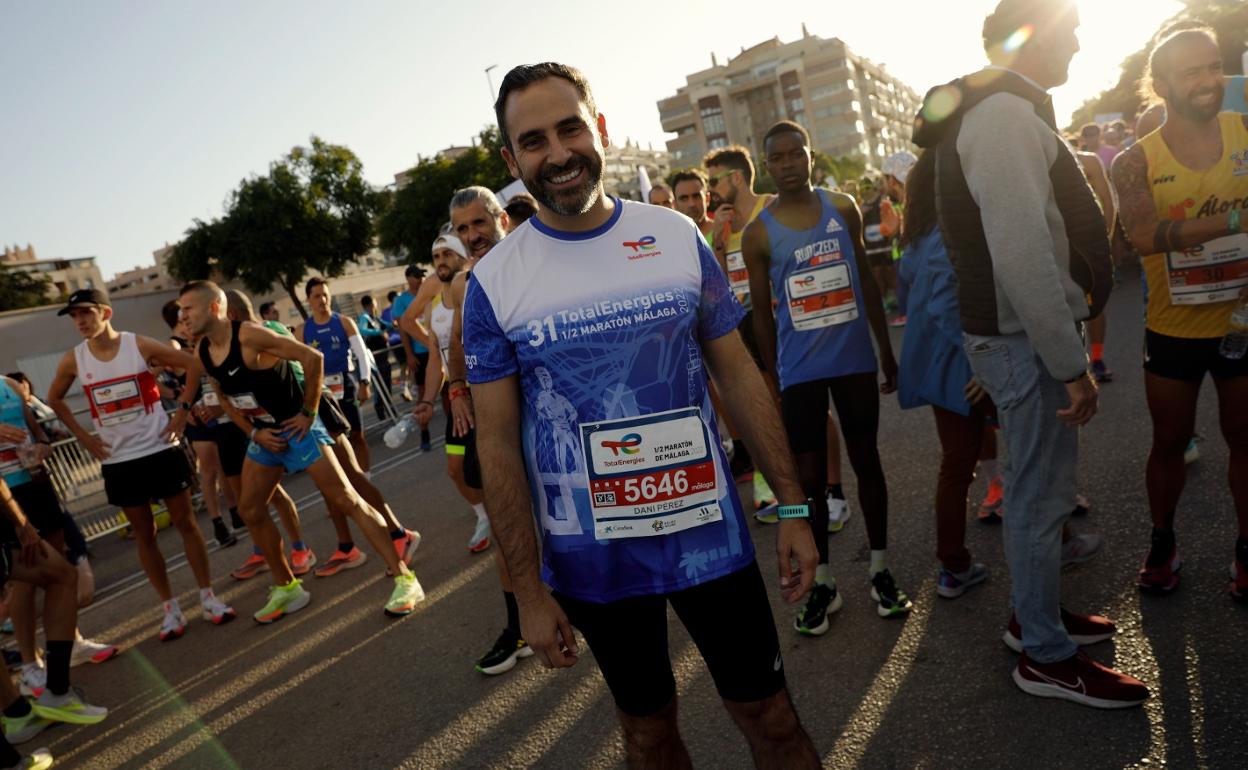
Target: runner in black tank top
286, 436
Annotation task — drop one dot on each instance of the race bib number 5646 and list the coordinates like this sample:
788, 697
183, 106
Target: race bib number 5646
650, 475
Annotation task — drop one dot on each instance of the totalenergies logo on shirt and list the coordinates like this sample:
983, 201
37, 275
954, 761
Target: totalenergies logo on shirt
628, 445
806, 280
645, 246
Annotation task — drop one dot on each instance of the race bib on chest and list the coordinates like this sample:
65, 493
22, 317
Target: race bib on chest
1214, 271
247, 404
117, 403
738, 276
334, 383
821, 297
10, 461
207, 395
651, 475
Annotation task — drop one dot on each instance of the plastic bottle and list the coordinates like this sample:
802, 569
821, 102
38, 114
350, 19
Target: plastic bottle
1235, 343
398, 433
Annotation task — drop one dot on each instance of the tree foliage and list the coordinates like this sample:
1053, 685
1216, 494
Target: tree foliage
1228, 17
311, 211
417, 210
20, 289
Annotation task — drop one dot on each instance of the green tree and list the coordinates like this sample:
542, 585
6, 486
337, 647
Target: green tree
19, 289
418, 209
311, 211
1228, 17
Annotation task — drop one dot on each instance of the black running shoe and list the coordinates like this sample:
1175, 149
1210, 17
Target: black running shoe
503, 655
225, 538
892, 600
822, 602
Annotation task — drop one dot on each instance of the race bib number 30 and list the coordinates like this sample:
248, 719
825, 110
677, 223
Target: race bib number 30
650, 475
1214, 271
822, 297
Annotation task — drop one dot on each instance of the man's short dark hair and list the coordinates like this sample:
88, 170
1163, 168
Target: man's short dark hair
312, 283
170, 312
1012, 15
391, 295
265, 307
689, 175
366, 301
657, 187
414, 271
18, 377
519, 208
786, 127
525, 75
734, 157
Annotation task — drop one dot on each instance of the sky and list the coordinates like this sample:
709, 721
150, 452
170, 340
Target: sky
125, 121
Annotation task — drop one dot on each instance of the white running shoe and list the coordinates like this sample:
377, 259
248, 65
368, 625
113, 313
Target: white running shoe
480, 539
34, 680
90, 651
217, 612
1081, 548
173, 626
838, 513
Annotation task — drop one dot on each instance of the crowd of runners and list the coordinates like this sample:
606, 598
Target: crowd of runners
625, 386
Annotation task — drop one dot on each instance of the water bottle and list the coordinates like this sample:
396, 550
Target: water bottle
398, 432
1235, 343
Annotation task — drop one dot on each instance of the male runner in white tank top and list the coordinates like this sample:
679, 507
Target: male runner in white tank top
136, 442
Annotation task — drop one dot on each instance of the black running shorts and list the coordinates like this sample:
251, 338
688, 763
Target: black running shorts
804, 409
154, 477
231, 448
728, 618
331, 414
38, 501
1179, 358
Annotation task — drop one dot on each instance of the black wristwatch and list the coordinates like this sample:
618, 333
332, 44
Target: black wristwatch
184, 405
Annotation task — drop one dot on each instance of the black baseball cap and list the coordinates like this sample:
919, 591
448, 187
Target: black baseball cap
85, 298
414, 271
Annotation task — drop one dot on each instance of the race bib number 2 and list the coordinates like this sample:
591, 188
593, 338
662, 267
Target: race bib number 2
651, 475
822, 297
1214, 271
118, 402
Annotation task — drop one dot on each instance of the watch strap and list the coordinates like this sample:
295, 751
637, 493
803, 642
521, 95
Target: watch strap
801, 511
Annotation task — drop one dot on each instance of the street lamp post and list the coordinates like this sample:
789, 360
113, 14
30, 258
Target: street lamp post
490, 80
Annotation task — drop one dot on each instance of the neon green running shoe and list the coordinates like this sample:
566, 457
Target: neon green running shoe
39, 759
407, 594
70, 708
283, 600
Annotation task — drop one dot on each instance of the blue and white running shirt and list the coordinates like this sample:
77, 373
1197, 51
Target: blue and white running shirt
604, 329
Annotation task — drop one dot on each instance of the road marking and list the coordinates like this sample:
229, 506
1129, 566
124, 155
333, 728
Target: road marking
851, 746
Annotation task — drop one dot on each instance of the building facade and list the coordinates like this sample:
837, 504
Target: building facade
620, 175
145, 280
66, 275
850, 105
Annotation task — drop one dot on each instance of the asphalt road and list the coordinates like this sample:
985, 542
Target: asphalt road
339, 685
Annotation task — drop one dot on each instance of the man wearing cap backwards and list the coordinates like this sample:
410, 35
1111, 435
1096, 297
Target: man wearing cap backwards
136, 443
1029, 245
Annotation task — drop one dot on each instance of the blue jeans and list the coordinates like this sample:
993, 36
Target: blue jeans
1040, 483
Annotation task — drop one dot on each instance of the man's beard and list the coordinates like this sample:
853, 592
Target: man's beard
1201, 114
573, 201
449, 276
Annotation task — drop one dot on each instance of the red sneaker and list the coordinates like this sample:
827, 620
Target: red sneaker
1164, 576
251, 566
990, 508
1080, 679
406, 546
340, 561
302, 560
1083, 629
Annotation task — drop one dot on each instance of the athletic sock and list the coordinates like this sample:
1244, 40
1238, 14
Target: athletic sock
205, 594
823, 576
513, 611
18, 708
58, 655
1098, 351
879, 561
298, 545
172, 606
346, 547
397, 534
836, 491
479, 509
1241, 551
424, 435
989, 467
255, 551
1162, 547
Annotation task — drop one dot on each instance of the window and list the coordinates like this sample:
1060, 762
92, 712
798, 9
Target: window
717, 142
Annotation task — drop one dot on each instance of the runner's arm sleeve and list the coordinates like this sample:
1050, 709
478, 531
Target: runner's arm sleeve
488, 353
719, 312
361, 356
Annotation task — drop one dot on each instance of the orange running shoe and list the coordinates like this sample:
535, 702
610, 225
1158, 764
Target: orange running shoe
254, 565
990, 509
340, 561
302, 561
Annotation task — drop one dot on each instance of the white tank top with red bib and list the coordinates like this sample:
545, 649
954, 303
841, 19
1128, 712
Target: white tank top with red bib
124, 400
